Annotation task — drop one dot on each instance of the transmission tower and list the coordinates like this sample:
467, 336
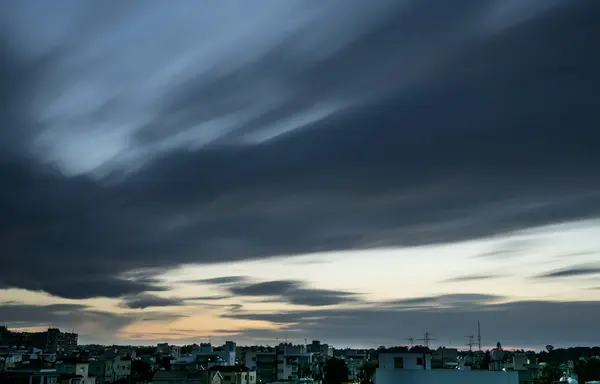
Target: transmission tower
411, 341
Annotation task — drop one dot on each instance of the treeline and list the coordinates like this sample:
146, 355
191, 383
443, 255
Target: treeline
561, 355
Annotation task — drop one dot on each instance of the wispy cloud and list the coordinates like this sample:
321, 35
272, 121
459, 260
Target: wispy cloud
466, 278
571, 272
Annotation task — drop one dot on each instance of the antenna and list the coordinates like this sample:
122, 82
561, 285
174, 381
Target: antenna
411, 341
471, 342
426, 339
479, 334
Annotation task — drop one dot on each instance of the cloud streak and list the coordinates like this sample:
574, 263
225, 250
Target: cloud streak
294, 292
578, 271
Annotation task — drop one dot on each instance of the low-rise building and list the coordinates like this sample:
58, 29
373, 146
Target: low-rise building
171, 350
109, 369
74, 371
293, 362
28, 376
201, 376
264, 363
415, 368
235, 374
444, 358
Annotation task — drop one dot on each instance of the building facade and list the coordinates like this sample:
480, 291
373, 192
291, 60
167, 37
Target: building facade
51, 341
416, 368
110, 369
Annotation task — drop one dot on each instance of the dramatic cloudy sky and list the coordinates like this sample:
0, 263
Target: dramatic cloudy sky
353, 171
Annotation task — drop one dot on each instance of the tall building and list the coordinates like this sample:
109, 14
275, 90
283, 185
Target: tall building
52, 340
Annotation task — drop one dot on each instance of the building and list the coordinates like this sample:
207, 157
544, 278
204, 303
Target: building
51, 341
74, 371
28, 376
195, 377
444, 358
293, 362
415, 368
315, 346
264, 363
235, 374
109, 369
171, 350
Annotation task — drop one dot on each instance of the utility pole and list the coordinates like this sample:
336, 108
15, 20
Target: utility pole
479, 335
426, 339
471, 342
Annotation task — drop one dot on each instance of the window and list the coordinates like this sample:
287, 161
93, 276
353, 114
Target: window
419, 361
226, 377
398, 362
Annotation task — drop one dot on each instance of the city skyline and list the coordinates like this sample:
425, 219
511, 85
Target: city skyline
356, 173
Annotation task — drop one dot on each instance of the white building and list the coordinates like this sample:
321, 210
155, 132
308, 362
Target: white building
293, 362
205, 354
415, 368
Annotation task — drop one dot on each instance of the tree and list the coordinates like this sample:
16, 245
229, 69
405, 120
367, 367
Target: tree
550, 374
336, 371
588, 370
141, 371
487, 359
367, 371
549, 348
165, 362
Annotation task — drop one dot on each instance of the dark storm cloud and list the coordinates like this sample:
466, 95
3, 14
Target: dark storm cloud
294, 292
72, 315
459, 132
143, 301
526, 323
220, 280
462, 279
207, 298
267, 288
571, 272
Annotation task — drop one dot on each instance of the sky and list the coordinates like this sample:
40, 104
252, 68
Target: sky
354, 172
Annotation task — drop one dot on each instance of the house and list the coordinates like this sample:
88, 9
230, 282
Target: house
195, 377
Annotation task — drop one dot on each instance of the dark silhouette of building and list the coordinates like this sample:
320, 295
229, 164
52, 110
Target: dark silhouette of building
52, 340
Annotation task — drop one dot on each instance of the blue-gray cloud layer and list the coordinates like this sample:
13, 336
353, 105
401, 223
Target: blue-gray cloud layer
519, 324
402, 123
